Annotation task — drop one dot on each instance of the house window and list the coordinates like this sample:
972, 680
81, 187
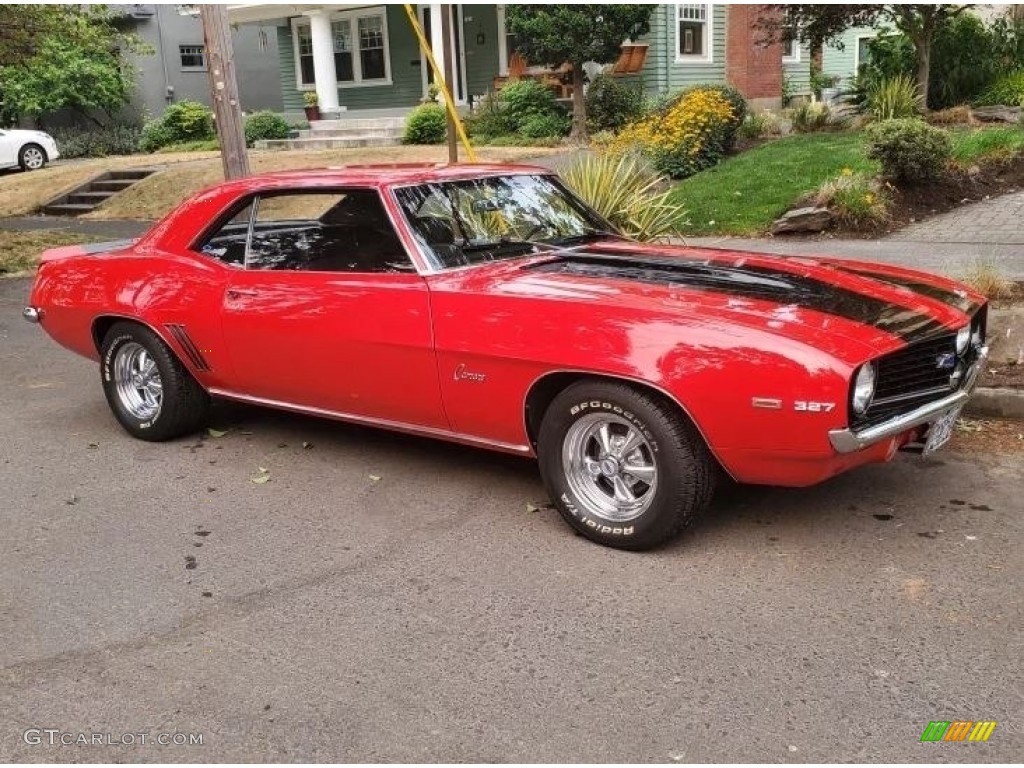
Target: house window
361, 53
693, 32
372, 53
192, 57
341, 31
790, 46
863, 51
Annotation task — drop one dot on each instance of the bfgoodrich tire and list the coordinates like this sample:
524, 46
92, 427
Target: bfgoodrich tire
151, 393
623, 467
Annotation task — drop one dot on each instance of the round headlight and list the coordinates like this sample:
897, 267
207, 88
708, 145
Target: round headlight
963, 338
863, 388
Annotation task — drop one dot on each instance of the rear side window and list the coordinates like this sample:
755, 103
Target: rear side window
323, 231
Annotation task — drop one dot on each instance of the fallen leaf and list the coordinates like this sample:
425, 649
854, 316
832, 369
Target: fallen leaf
260, 479
93, 445
72, 500
375, 478
971, 538
307, 446
216, 432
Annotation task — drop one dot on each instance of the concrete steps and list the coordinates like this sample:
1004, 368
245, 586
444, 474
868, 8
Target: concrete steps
95, 192
344, 134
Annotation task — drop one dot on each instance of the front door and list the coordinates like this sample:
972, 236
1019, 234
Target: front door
328, 312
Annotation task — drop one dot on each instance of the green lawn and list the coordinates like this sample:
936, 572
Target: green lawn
973, 145
745, 193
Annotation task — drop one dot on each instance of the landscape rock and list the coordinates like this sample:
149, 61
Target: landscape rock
809, 219
997, 114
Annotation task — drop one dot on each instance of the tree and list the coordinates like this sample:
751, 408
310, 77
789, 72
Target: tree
819, 24
575, 34
63, 56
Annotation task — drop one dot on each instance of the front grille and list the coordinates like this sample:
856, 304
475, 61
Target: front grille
915, 369
913, 376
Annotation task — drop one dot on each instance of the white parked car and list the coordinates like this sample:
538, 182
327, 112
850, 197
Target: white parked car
29, 150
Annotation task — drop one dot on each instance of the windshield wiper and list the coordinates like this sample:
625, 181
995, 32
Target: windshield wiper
502, 243
590, 234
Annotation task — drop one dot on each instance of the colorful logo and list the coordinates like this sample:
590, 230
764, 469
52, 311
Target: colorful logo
958, 730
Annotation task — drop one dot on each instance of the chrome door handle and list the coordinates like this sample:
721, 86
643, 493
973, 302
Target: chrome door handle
237, 293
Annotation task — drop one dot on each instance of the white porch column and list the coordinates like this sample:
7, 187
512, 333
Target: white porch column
323, 60
502, 43
437, 42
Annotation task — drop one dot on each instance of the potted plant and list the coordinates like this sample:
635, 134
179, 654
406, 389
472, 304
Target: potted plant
312, 107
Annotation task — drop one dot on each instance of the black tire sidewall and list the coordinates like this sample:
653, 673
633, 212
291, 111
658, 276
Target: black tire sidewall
662, 516
117, 338
21, 157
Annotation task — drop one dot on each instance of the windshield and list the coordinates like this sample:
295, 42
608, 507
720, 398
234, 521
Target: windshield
500, 217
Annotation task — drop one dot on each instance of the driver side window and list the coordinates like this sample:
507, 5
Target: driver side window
320, 231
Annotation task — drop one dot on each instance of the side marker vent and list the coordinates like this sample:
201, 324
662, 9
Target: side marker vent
188, 346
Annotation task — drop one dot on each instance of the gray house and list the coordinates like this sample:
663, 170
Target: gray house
177, 69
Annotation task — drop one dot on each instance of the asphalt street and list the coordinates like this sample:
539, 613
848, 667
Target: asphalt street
394, 599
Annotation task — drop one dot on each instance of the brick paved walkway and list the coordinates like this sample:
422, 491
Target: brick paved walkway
989, 232
998, 221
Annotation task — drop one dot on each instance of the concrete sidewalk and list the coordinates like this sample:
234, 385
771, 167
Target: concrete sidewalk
951, 243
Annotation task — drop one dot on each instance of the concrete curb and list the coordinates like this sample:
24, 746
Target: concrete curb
996, 401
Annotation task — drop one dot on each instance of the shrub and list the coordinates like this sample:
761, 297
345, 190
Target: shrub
611, 104
763, 123
524, 100
854, 199
690, 135
188, 121
909, 149
265, 125
627, 192
488, 118
737, 103
811, 117
545, 126
154, 135
1008, 90
97, 142
427, 124
893, 98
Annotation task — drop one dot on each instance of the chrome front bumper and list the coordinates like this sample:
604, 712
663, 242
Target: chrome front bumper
849, 440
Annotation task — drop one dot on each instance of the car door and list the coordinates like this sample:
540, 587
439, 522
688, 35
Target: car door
327, 311
8, 149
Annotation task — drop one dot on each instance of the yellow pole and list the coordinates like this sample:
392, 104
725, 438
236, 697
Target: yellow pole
439, 79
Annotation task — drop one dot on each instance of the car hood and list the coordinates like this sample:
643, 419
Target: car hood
820, 301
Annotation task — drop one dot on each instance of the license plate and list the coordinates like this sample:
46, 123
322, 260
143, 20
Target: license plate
941, 430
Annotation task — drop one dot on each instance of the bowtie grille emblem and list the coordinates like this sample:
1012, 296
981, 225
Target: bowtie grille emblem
946, 361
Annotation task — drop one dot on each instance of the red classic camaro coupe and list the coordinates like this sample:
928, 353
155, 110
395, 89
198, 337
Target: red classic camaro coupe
488, 305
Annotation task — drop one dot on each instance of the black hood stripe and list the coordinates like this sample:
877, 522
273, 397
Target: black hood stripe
950, 297
754, 282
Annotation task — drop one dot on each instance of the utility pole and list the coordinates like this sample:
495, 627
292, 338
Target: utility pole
446, 35
224, 90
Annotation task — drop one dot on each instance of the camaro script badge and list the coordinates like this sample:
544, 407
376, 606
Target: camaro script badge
464, 374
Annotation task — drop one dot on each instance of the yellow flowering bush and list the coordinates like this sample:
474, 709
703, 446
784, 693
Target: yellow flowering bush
691, 133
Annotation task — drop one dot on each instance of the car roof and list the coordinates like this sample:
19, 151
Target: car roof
392, 173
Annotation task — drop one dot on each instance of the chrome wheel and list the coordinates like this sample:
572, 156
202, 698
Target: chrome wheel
33, 158
610, 467
137, 382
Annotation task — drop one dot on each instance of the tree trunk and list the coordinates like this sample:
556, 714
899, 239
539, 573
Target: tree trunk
923, 49
579, 107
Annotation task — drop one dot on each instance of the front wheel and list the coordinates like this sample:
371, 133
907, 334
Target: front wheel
32, 157
151, 393
623, 467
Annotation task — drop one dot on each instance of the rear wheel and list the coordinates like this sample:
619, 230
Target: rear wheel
151, 393
32, 157
623, 467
